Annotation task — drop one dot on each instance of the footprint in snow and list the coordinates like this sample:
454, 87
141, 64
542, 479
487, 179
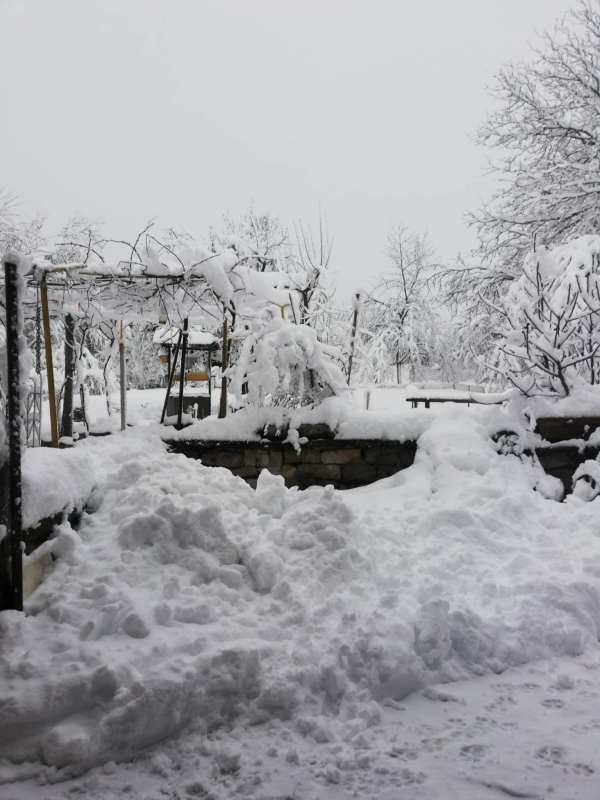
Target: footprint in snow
582, 769
474, 752
552, 754
553, 702
403, 752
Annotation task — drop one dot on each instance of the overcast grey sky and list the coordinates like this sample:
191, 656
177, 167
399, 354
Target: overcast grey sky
124, 110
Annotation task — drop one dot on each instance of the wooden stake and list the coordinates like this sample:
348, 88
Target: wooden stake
15, 514
67, 407
184, 343
122, 378
173, 364
49, 363
353, 336
224, 363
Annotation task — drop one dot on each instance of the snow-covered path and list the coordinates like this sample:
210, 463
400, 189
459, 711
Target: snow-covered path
277, 643
530, 733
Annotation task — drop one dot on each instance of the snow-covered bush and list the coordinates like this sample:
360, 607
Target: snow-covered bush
586, 480
551, 316
285, 364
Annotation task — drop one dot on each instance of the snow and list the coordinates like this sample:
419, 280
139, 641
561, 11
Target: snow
339, 413
187, 601
196, 336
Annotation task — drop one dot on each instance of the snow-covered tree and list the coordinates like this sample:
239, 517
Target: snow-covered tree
551, 336
546, 134
397, 317
144, 369
284, 364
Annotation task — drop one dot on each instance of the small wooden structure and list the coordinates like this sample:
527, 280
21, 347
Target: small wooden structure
196, 349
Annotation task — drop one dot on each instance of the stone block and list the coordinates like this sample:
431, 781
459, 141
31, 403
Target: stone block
559, 457
250, 454
275, 457
289, 472
319, 472
348, 455
290, 456
246, 472
263, 457
396, 454
210, 458
229, 459
311, 455
359, 473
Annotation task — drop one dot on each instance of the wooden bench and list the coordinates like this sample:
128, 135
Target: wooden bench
427, 400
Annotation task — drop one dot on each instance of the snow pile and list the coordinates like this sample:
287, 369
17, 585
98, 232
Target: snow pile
189, 596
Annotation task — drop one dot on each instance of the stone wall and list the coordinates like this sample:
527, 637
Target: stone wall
343, 463
347, 463
562, 461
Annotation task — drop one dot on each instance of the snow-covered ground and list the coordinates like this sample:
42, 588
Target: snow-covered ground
434, 635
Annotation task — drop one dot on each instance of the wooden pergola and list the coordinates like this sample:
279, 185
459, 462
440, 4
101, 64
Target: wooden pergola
124, 292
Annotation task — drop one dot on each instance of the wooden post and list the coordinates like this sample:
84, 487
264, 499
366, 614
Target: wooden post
122, 378
49, 363
184, 342
224, 364
67, 407
353, 335
15, 514
171, 376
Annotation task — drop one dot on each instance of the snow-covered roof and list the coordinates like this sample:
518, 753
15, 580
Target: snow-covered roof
197, 337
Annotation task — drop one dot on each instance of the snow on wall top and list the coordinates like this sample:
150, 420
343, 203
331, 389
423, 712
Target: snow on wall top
339, 413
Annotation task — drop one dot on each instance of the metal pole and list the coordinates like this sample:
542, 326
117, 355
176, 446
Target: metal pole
15, 519
122, 378
184, 334
49, 363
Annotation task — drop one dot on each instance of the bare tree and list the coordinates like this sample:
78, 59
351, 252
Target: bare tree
313, 254
261, 238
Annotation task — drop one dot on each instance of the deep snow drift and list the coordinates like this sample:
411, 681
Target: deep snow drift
187, 595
